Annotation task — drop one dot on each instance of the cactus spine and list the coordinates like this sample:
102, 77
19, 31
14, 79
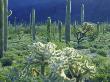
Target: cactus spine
33, 25
48, 29
68, 21
1, 27
82, 13
5, 24
60, 28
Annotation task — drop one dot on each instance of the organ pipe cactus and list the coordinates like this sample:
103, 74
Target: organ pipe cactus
48, 29
68, 21
1, 27
33, 24
82, 13
60, 30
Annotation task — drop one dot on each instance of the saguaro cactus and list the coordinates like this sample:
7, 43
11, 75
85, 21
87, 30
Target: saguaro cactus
48, 29
98, 27
30, 21
5, 24
33, 25
15, 23
68, 20
60, 29
82, 13
1, 26
75, 23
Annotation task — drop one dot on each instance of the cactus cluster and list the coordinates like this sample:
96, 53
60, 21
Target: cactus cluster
70, 60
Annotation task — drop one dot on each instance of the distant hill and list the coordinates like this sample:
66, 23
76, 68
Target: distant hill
95, 10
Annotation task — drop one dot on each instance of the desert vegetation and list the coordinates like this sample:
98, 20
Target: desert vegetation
53, 51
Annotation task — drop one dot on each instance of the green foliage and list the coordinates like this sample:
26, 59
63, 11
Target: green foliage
18, 52
93, 50
6, 61
103, 68
102, 53
86, 32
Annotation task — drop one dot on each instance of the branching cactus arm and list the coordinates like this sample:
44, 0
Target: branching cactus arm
9, 13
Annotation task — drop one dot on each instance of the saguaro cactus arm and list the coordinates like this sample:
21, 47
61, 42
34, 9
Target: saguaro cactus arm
9, 13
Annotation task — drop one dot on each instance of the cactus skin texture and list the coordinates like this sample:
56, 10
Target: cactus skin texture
1, 27
68, 21
5, 24
48, 29
82, 13
60, 29
33, 25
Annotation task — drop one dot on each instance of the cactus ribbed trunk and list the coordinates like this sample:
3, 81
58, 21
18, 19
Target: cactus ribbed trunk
33, 25
48, 29
60, 30
68, 21
82, 13
5, 24
1, 27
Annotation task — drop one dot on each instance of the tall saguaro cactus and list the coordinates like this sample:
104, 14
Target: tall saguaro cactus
5, 24
48, 29
33, 24
1, 27
82, 14
68, 21
98, 27
60, 29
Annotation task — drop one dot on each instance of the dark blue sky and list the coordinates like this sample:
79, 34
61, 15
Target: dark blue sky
95, 10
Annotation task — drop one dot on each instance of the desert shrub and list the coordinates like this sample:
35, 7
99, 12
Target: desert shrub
103, 68
93, 50
6, 61
109, 46
27, 31
97, 46
102, 53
